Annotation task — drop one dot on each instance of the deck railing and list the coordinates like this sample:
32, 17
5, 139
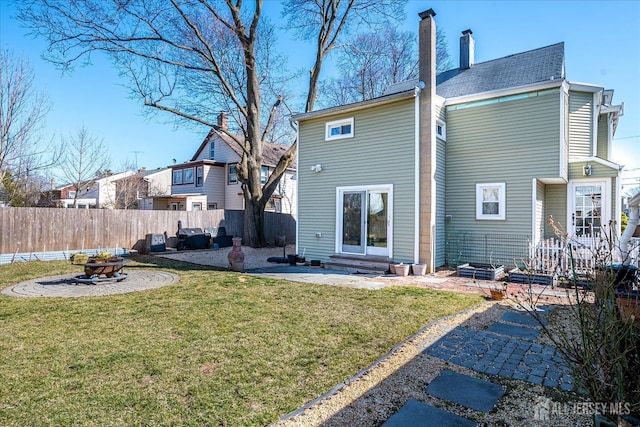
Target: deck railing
560, 256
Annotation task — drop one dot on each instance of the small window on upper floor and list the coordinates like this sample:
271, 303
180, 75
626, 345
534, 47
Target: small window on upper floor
264, 174
339, 129
441, 130
212, 150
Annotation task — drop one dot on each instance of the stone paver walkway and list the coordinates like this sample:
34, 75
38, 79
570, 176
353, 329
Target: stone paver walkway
503, 349
495, 354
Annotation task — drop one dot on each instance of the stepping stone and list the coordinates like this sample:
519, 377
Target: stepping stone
418, 414
522, 319
514, 331
467, 391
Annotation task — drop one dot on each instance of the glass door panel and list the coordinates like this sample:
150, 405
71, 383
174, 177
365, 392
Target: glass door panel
353, 221
377, 223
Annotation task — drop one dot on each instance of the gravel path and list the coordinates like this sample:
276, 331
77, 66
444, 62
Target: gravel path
253, 258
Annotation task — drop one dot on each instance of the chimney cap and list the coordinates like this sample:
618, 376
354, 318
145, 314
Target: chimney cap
465, 32
426, 14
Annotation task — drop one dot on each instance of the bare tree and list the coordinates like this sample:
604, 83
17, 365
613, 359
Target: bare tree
324, 21
24, 189
22, 117
196, 58
84, 160
376, 60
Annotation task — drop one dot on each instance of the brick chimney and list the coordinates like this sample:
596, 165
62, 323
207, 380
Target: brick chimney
427, 139
467, 50
223, 120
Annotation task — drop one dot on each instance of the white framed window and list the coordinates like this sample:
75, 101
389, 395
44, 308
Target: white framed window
177, 177
212, 150
441, 130
199, 176
490, 201
196, 207
212, 206
264, 174
71, 195
233, 174
339, 129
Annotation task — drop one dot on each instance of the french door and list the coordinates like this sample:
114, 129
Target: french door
364, 220
589, 207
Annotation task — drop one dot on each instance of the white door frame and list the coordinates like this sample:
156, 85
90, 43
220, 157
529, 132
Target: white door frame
386, 188
571, 201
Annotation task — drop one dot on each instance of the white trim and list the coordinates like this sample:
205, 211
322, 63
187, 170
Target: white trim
504, 92
416, 231
594, 126
618, 209
534, 205
502, 202
609, 134
604, 162
606, 200
388, 188
342, 109
584, 87
338, 123
563, 171
297, 184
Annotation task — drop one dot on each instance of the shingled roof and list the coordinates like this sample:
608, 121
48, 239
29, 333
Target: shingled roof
271, 153
520, 69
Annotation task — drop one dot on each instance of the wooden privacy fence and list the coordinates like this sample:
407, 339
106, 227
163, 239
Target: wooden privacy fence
27, 230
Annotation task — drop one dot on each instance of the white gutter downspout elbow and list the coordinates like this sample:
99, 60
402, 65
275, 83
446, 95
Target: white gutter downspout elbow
634, 218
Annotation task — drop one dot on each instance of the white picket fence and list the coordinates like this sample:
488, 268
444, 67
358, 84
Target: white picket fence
555, 256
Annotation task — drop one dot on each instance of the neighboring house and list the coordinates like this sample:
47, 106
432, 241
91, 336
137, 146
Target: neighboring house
99, 193
137, 191
484, 153
209, 179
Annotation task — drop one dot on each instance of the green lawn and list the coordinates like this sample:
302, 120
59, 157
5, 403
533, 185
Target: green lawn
215, 347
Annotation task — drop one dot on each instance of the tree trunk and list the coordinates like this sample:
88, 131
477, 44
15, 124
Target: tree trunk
253, 234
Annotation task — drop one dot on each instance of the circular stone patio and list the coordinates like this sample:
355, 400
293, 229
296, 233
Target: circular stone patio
64, 286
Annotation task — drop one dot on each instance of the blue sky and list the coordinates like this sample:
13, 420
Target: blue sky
602, 46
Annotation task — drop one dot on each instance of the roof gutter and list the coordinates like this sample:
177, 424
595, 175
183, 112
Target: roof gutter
356, 106
504, 92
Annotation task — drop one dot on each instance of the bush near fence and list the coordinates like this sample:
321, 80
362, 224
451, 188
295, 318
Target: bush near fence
28, 230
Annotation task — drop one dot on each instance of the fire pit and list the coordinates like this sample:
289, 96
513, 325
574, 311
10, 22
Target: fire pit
97, 270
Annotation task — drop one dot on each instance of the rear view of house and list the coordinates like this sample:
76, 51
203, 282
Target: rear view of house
463, 166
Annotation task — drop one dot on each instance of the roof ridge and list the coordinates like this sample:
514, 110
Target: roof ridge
507, 56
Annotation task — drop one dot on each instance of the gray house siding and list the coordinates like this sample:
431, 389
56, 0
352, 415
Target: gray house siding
580, 124
555, 205
214, 177
440, 203
508, 142
603, 138
381, 152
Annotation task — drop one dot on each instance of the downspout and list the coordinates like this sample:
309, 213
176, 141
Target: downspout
634, 219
